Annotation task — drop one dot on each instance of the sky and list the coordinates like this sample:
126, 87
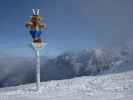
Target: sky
72, 25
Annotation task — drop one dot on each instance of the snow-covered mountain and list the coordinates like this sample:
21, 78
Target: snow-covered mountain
103, 87
92, 62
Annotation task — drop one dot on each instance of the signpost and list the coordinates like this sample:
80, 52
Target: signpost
35, 27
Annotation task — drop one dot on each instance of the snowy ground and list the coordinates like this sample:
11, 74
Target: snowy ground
105, 87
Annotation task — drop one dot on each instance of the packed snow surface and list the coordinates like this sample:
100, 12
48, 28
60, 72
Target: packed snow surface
104, 87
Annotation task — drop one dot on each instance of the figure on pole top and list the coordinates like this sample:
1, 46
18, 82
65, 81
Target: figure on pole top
35, 27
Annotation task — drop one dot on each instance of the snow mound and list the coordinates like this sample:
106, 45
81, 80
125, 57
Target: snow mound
104, 87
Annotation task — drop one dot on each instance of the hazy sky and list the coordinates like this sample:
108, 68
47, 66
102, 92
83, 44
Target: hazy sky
72, 24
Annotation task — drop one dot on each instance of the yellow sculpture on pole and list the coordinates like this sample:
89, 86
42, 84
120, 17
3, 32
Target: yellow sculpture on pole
35, 27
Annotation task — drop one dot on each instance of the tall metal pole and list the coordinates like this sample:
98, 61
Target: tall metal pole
37, 69
37, 48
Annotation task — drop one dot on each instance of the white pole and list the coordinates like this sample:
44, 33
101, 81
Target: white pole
37, 69
37, 57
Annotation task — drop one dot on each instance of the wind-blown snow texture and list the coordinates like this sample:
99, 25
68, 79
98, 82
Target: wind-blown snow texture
104, 87
68, 65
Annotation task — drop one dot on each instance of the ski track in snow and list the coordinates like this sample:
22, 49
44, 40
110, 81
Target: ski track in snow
104, 87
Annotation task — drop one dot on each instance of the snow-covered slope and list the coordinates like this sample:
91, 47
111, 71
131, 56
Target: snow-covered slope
104, 87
